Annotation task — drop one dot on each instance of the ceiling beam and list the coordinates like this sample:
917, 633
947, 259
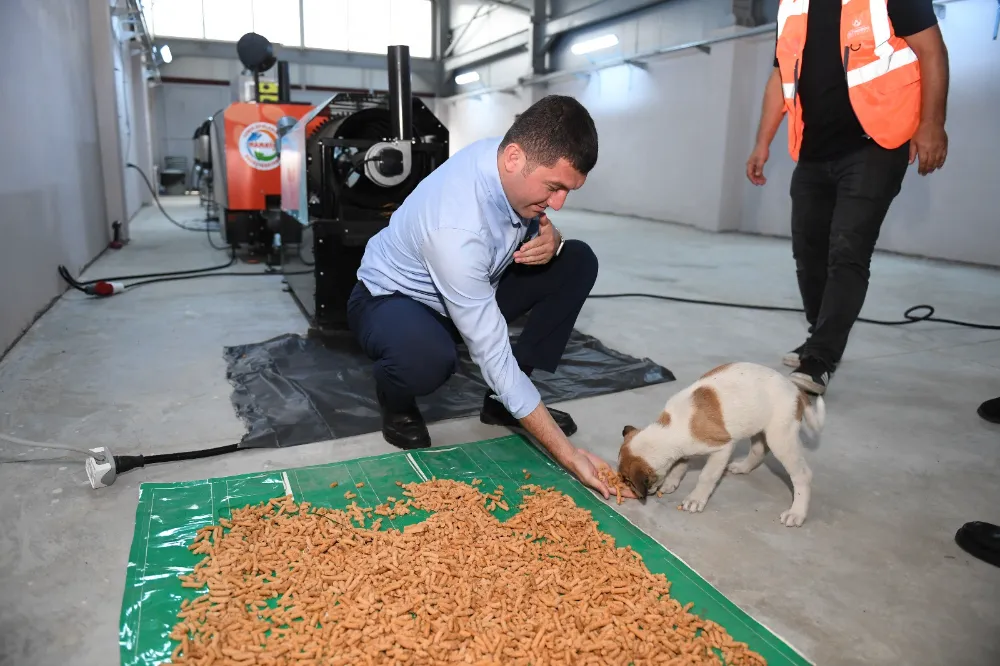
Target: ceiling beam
200, 48
599, 12
510, 45
538, 40
511, 4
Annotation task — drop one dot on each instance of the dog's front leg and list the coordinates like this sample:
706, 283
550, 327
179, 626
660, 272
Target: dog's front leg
708, 479
674, 476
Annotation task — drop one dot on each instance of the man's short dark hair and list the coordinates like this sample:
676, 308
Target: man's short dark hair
555, 127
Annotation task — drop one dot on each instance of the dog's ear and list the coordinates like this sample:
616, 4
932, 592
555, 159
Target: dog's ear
627, 429
636, 472
640, 481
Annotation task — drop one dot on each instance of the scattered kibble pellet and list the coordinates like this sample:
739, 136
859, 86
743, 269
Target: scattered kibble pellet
292, 585
610, 477
359, 484
349, 495
334, 484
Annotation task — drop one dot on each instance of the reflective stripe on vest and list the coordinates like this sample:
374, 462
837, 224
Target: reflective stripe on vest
789, 90
881, 30
873, 70
790, 8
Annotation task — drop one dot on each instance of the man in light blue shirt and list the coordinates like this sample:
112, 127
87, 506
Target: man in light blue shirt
469, 250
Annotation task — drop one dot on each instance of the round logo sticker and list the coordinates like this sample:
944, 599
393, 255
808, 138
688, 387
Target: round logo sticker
259, 146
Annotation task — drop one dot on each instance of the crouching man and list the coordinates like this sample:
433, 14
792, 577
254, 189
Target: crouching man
469, 250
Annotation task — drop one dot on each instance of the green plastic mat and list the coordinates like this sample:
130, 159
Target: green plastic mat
170, 514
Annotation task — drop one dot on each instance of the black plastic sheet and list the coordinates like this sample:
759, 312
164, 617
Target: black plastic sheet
293, 390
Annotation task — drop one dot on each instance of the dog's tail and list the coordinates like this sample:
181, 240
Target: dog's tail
815, 415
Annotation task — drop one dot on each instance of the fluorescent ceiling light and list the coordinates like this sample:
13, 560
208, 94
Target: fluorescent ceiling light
595, 44
165, 54
467, 77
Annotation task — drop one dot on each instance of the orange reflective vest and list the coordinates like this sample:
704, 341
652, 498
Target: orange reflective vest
883, 75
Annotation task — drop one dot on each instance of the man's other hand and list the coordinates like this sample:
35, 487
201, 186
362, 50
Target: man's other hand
755, 165
930, 143
540, 249
585, 465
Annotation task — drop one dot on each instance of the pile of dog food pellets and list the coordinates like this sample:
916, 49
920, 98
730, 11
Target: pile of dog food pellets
290, 584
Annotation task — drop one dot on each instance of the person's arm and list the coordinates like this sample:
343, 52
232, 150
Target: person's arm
916, 23
458, 263
771, 113
930, 141
772, 109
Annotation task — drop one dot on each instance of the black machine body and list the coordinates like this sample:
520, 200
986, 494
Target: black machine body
361, 162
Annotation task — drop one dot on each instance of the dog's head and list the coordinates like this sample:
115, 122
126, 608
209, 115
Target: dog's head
647, 455
633, 468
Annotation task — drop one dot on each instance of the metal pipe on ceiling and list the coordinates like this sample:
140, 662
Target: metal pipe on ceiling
702, 44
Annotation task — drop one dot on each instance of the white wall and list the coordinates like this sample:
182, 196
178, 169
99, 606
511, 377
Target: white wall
131, 100
648, 119
178, 110
52, 191
674, 138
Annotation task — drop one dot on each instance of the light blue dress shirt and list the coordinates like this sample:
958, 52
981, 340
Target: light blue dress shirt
446, 246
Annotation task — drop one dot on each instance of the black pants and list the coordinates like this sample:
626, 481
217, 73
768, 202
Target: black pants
837, 212
414, 349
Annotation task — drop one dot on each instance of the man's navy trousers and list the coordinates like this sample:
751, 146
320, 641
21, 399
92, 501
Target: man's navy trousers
414, 349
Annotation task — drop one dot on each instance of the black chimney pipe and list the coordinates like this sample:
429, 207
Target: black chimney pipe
284, 85
400, 99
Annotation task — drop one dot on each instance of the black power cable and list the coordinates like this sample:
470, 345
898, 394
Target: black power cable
126, 463
160, 205
168, 276
205, 275
909, 317
64, 272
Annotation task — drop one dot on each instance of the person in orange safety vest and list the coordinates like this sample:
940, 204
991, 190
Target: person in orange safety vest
864, 84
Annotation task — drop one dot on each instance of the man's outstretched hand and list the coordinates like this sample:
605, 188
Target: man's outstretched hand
585, 465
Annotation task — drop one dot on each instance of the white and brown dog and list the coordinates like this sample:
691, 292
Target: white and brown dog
731, 403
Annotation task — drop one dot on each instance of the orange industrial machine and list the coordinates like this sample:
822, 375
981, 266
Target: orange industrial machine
246, 156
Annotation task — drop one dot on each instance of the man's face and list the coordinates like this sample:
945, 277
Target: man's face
531, 192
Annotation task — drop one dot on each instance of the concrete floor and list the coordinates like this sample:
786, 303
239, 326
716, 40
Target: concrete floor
873, 577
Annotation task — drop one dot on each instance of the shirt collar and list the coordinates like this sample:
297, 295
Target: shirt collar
491, 175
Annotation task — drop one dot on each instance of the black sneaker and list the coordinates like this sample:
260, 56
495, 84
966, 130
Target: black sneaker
990, 410
793, 358
812, 375
404, 429
494, 413
981, 540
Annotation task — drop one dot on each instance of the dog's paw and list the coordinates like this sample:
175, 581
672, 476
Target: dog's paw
693, 505
738, 468
792, 518
669, 487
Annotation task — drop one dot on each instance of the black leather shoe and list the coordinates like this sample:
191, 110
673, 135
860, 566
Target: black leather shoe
990, 410
494, 413
981, 540
404, 429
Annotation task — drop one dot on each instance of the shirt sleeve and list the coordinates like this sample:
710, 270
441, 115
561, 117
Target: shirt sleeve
458, 264
909, 17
